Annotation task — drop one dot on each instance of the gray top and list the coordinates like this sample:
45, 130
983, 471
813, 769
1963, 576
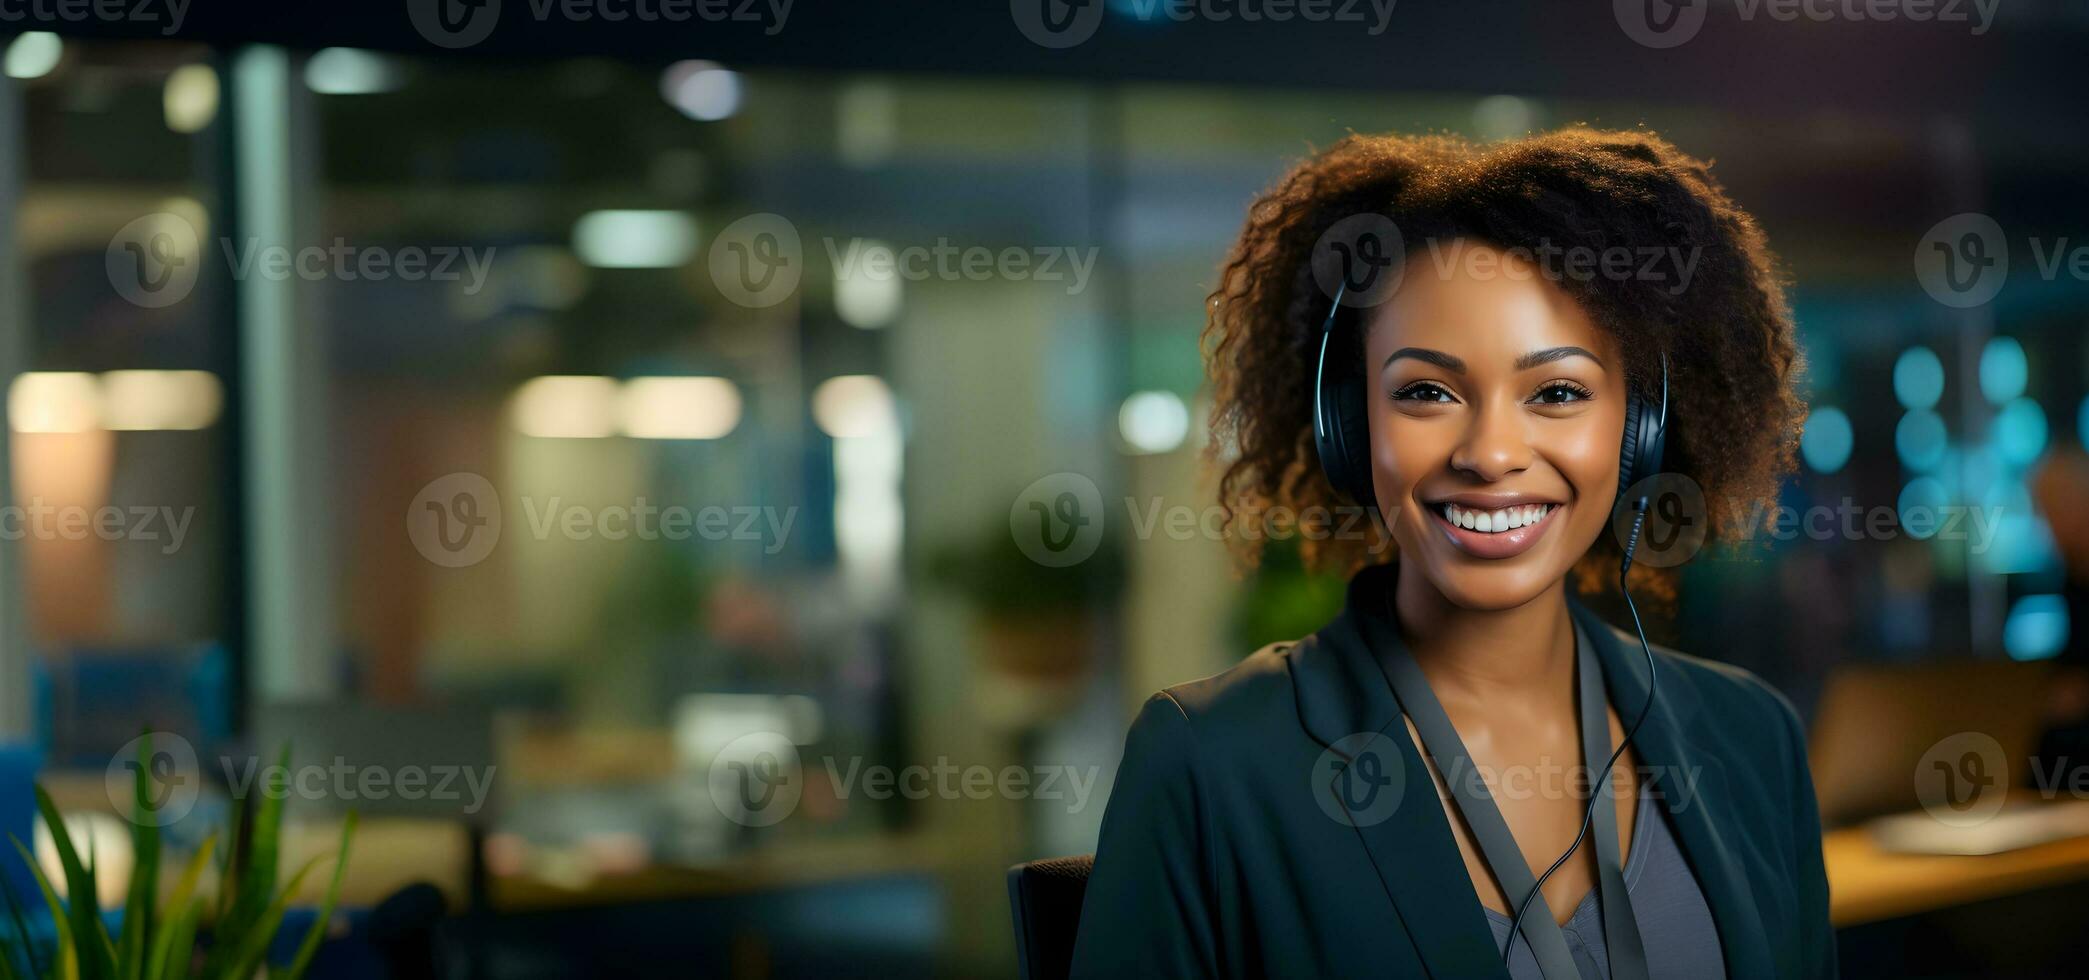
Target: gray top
1681, 940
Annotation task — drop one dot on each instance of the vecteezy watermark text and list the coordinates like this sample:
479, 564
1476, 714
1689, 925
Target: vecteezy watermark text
946, 780
646, 521
758, 261
970, 263
348, 263
169, 13
73, 522
456, 520
1360, 780
1068, 23
347, 781
154, 261
1363, 258
172, 780
1058, 521
1672, 265
1677, 521
1671, 23
1849, 520
757, 780
463, 23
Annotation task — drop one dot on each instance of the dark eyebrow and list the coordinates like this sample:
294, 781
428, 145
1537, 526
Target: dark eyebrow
1436, 357
1537, 357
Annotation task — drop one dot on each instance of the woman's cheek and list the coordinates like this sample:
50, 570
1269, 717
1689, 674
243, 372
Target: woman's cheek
1403, 456
1590, 461
1590, 458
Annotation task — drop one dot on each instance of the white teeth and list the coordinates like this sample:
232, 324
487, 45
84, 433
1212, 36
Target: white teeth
1494, 522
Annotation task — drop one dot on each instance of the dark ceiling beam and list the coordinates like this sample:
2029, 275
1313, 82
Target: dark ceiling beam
2026, 66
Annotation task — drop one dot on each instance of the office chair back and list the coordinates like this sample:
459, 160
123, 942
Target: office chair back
1045, 897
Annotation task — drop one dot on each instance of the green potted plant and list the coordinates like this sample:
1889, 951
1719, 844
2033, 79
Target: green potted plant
158, 940
1034, 621
1284, 601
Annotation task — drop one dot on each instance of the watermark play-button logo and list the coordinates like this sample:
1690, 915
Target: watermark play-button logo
1057, 521
454, 23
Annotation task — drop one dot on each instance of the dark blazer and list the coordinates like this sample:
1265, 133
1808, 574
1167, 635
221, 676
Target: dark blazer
1222, 855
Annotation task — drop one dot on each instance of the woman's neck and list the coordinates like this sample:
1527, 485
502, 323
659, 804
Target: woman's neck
1524, 653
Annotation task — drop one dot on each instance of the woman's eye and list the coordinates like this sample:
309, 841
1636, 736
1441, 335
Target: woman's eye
1560, 393
1423, 391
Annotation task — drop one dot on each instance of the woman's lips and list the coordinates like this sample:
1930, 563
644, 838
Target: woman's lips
1495, 544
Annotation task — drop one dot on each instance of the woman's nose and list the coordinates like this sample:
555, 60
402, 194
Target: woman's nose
1495, 444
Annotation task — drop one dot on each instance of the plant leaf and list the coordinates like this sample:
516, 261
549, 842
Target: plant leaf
68, 958
310, 946
7, 948
7, 960
90, 939
180, 904
176, 944
257, 873
228, 863
253, 944
145, 870
29, 952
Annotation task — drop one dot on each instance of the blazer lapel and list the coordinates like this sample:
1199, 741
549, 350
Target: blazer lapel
1693, 785
1345, 704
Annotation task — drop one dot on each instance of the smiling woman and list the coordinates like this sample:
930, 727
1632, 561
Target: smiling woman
1490, 384
1627, 239
1501, 396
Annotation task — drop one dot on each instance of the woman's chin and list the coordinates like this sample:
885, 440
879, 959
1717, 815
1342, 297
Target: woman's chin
1493, 587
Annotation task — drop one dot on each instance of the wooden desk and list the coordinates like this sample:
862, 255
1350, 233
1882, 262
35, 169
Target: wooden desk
783, 866
1866, 884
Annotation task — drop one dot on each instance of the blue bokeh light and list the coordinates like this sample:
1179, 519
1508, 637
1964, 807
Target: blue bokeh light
1827, 441
1927, 495
2016, 543
1918, 378
2010, 494
2003, 370
2020, 431
2037, 627
1920, 440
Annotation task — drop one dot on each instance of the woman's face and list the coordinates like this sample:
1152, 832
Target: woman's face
1496, 410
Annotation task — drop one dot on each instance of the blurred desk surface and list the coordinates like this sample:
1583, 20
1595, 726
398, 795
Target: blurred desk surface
1867, 884
782, 865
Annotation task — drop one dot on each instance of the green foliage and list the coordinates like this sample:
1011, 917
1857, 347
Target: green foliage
158, 942
992, 572
1284, 601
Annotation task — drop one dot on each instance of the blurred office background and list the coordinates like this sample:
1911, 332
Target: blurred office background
321, 440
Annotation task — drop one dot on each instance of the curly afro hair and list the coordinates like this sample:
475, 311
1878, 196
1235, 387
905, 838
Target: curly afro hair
1734, 415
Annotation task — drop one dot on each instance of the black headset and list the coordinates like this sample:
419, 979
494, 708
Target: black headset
1342, 435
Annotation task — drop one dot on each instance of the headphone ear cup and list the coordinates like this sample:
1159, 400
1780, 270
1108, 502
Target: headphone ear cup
1629, 471
1639, 457
1352, 431
1341, 433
